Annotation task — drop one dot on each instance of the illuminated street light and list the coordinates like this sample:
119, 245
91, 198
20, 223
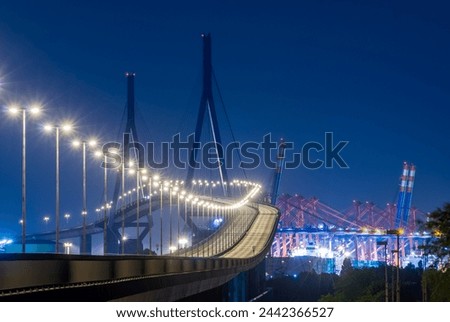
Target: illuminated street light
386, 287
83, 144
67, 247
99, 154
46, 219
15, 110
65, 128
183, 242
67, 217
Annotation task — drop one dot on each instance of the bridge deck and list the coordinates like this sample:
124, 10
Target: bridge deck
163, 278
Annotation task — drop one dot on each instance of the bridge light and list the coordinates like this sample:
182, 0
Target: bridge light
67, 127
13, 110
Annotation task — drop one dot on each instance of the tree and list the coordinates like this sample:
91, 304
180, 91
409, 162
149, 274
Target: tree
439, 224
346, 266
436, 285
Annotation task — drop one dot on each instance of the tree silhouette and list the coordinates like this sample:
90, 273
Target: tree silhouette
439, 224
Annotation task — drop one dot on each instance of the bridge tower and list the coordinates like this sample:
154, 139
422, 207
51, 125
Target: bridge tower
130, 129
207, 105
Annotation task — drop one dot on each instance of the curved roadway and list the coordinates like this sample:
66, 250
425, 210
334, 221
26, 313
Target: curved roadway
51, 277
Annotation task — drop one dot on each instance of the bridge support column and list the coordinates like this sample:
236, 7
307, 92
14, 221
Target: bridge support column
247, 285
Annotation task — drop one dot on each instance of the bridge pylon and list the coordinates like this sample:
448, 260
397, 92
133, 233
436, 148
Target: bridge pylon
116, 232
207, 105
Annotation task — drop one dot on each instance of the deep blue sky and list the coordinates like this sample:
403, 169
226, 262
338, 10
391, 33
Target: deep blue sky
375, 73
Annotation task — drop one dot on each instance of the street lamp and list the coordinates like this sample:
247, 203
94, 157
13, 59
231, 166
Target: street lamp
99, 154
65, 128
14, 110
67, 246
46, 219
136, 171
67, 217
83, 144
386, 289
397, 232
183, 242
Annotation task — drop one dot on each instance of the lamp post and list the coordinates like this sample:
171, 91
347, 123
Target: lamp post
386, 289
67, 217
14, 111
67, 246
99, 154
131, 172
397, 232
123, 208
83, 144
160, 215
57, 128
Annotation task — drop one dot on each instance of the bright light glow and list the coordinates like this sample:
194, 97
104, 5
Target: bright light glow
76, 143
131, 171
172, 248
98, 153
144, 171
144, 178
66, 127
5, 241
92, 143
183, 241
48, 127
156, 177
35, 109
13, 110
323, 252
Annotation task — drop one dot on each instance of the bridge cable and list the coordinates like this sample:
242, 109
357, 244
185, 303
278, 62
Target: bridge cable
227, 118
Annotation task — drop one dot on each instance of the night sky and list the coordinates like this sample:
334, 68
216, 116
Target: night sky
375, 73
